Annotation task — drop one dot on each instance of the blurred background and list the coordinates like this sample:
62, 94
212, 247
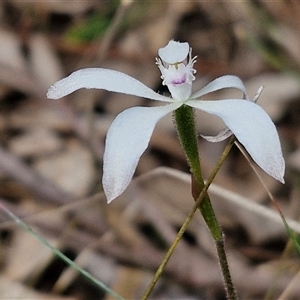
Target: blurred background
51, 151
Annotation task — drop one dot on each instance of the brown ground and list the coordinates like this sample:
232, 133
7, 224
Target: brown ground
51, 151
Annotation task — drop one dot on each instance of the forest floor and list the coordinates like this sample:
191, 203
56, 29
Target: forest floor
51, 151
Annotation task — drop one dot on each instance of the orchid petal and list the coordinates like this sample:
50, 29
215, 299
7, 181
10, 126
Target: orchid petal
98, 78
253, 128
221, 136
127, 139
223, 82
226, 132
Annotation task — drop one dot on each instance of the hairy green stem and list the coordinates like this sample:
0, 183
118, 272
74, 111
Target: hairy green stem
185, 122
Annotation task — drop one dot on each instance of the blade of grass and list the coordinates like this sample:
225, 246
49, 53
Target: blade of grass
291, 233
60, 254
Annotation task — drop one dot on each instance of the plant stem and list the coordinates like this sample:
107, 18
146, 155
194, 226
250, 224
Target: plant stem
187, 222
185, 122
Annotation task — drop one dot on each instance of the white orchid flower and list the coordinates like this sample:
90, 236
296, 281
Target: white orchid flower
130, 133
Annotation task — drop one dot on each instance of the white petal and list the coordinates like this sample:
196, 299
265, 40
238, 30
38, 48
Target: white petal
221, 136
253, 128
127, 139
97, 78
223, 82
174, 52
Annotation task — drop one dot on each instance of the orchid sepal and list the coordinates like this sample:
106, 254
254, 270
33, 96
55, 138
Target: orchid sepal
109, 80
126, 140
254, 129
